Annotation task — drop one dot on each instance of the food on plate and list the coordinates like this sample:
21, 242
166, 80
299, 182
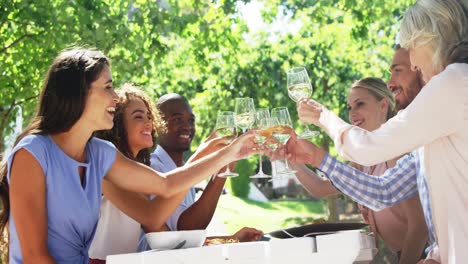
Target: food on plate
220, 241
317, 221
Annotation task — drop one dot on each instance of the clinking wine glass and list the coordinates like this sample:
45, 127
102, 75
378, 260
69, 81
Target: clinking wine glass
299, 87
261, 119
225, 127
281, 133
244, 113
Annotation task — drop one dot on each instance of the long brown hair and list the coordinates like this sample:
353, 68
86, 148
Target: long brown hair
61, 104
118, 134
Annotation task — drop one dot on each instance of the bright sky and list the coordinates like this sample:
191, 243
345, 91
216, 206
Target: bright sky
281, 25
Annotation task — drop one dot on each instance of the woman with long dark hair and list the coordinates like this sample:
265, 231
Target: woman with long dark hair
51, 182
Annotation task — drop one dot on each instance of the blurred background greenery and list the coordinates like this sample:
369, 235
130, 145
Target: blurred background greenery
209, 51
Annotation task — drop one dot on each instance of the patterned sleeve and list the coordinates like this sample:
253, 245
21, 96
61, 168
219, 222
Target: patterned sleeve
376, 192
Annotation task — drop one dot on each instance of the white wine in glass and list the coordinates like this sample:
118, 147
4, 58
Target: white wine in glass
244, 113
225, 127
280, 133
299, 87
261, 119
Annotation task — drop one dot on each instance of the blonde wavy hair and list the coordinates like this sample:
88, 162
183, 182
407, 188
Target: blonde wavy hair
441, 25
377, 88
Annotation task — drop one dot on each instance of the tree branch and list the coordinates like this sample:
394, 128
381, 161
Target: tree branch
10, 108
15, 42
15, 103
6, 114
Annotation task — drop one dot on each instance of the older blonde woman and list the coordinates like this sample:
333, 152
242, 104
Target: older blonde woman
435, 32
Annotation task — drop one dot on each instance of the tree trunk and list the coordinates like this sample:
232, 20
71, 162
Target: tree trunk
2, 139
332, 201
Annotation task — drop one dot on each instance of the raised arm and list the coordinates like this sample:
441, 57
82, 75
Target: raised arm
395, 185
313, 183
434, 113
148, 181
151, 214
29, 208
200, 213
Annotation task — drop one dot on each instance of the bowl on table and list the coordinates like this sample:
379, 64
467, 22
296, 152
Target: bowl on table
175, 239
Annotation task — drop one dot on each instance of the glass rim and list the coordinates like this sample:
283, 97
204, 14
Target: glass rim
297, 69
279, 108
225, 113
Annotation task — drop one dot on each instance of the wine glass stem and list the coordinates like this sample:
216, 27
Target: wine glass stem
260, 171
228, 170
286, 165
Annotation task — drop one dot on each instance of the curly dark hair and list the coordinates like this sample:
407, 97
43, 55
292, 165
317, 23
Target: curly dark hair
118, 134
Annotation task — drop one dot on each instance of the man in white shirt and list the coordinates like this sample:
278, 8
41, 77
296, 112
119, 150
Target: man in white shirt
172, 143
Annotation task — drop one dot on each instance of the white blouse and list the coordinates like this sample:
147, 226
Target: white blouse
437, 120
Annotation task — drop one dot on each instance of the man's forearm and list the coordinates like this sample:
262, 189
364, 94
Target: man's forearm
199, 214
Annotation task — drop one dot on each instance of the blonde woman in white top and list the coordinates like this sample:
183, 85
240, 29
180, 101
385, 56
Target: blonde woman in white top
436, 34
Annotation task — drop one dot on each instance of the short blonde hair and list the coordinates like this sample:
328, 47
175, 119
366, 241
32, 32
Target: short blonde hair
440, 24
377, 88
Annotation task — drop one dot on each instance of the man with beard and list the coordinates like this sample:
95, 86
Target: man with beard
405, 83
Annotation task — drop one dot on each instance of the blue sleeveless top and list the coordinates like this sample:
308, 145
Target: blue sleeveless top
72, 208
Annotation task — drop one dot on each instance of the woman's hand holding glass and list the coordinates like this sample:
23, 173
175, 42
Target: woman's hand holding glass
244, 113
262, 118
302, 151
282, 131
211, 144
226, 127
299, 87
309, 111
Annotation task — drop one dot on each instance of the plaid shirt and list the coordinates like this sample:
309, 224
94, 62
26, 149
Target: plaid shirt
395, 185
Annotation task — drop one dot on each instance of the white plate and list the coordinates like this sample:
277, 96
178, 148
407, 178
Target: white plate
170, 239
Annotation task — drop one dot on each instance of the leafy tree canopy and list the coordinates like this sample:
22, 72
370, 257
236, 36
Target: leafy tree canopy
203, 50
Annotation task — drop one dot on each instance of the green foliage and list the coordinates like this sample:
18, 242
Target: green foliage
239, 212
240, 185
201, 49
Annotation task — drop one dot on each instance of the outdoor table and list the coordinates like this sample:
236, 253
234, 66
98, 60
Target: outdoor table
341, 248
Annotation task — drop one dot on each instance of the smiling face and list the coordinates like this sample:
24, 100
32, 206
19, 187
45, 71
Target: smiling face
404, 83
365, 111
100, 103
180, 128
139, 125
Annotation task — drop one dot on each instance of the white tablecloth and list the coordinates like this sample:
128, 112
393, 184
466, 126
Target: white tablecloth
340, 248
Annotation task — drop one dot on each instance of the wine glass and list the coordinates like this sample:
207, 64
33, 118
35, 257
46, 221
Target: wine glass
281, 133
299, 87
261, 118
226, 126
244, 113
